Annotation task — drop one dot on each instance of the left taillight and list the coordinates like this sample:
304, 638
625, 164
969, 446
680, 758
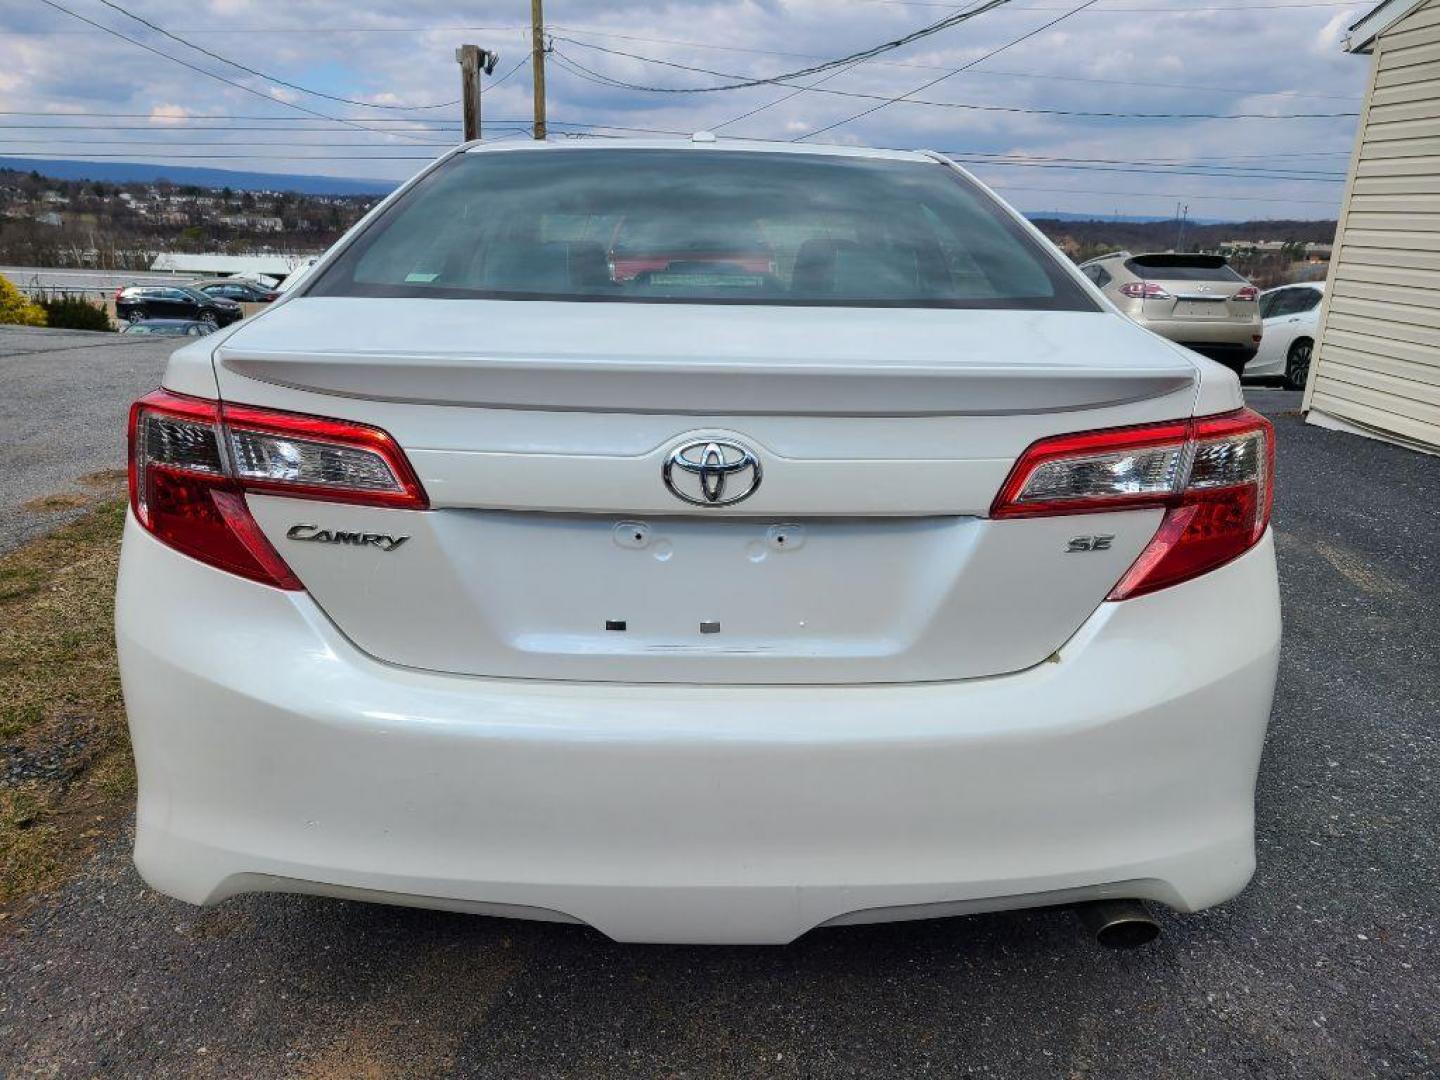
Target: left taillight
1145, 290
1214, 476
192, 460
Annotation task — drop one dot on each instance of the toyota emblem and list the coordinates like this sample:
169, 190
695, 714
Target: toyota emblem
712, 472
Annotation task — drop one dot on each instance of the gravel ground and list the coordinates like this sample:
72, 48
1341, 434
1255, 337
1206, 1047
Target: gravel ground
63, 401
1327, 966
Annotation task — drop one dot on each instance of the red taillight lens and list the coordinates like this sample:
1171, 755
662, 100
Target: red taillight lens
1144, 290
314, 458
1214, 476
192, 460
1249, 292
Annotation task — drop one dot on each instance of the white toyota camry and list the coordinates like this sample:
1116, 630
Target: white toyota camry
704, 542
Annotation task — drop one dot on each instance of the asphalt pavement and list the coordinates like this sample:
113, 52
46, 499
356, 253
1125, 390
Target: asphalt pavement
64, 401
1327, 966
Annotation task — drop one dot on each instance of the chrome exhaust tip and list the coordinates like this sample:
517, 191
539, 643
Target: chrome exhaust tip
1118, 924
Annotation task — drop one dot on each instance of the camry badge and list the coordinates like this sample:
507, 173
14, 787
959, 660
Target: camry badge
712, 472
313, 534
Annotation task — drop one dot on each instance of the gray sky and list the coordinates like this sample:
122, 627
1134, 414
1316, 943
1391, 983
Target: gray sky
1217, 57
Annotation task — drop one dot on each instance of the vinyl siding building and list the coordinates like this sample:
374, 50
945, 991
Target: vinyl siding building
1377, 366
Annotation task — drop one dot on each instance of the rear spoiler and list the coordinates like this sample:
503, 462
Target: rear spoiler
1162, 262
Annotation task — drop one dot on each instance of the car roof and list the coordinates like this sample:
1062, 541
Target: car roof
1318, 286
699, 144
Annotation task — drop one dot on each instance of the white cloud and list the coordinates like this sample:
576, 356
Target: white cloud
1328, 37
169, 114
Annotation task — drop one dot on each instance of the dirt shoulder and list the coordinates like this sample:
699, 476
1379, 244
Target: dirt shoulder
66, 778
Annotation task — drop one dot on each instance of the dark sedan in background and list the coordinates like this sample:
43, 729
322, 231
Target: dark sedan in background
169, 328
174, 302
238, 289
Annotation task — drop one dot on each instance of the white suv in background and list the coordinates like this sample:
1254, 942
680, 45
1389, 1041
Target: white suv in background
706, 543
1292, 324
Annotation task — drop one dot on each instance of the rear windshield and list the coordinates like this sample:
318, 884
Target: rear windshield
1182, 268
697, 226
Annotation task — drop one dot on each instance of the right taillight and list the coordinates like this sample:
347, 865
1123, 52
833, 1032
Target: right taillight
1214, 477
192, 460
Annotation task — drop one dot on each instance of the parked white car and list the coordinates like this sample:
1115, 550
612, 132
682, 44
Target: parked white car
1291, 317
705, 542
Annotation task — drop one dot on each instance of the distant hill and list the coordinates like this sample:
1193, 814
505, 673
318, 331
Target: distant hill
1081, 236
1078, 234
122, 172
1059, 215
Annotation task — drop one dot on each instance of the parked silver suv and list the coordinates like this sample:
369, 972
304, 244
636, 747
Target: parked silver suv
1198, 301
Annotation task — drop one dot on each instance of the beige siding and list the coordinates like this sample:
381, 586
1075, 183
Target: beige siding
1378, 363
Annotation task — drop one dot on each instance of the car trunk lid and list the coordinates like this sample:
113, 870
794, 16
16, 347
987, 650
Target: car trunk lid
554, 548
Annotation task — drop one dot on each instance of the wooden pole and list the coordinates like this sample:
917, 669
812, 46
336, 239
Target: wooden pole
469, 59
537, 63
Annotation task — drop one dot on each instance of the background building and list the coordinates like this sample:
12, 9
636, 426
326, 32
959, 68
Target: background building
1377, 368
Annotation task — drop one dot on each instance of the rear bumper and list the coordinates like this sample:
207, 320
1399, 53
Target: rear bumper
1218, 338
1221, 332
272, 754
1235, 357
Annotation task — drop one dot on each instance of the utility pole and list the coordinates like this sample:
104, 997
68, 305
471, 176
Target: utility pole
473, 62
537, 63
1180, 234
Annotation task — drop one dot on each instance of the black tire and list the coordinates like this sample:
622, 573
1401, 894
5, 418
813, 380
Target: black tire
1297, 364
209, 319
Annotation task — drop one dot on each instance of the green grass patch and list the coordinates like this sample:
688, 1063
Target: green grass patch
68, 775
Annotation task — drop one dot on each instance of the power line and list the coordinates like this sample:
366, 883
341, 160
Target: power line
450, 27
781, 100
1248, 91
200, 70
950, 74
263, 75
496, 82
307, 30
793, 94
743, 83
301, 132
1149, 11
577, 68
418, 128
